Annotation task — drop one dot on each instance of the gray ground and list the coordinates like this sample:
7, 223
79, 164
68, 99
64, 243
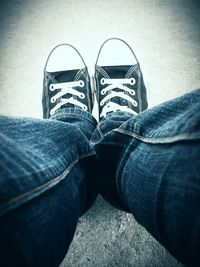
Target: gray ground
164, 34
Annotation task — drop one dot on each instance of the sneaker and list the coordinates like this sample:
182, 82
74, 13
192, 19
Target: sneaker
119, 80
66, 81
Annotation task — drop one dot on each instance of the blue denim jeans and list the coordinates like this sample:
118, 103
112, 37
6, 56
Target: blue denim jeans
50, 171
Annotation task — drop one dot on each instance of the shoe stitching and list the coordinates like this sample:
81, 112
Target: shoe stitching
139, 90
103, 72
131, 70
128, 75
85, 74
50, 77
136, 68
82, 72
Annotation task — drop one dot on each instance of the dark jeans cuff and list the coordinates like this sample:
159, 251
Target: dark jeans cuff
74, 113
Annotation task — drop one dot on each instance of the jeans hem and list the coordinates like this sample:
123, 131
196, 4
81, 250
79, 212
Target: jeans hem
74, 112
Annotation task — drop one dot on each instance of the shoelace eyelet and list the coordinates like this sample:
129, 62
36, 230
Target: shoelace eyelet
82, 96
64, 89
51, 87
132, 81
102, 81
103, 92
53, 100
132, 92
81, 83
101, 103
85, 107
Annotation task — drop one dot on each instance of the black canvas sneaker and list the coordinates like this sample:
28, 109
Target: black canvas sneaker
119, 80
66, 81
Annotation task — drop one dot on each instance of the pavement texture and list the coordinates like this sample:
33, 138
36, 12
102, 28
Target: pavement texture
165, 36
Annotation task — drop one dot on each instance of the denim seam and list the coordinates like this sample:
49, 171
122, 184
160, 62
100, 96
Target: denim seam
37, 191
120, 170
60, 161
100, 132
155, 208
162, 140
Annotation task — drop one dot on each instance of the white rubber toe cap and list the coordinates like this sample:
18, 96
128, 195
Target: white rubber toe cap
64, 57
115, 52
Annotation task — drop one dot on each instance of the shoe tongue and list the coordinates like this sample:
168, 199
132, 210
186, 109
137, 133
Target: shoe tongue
117, 72
65, 76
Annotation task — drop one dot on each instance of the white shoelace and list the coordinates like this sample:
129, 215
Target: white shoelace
117, 84
67, 88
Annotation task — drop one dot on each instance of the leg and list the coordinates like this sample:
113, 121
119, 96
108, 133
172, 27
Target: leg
46, 166
43, 182
153, 168
151, 160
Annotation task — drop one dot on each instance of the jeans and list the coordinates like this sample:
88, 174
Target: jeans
51, 171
